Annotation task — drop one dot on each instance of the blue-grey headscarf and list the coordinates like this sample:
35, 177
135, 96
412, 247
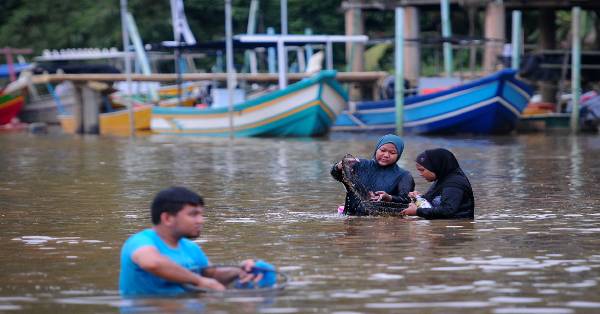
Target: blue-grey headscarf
391, 138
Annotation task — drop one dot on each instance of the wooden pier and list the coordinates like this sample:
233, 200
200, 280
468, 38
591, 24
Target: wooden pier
343, 77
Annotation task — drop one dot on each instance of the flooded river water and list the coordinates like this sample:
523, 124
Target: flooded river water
68, 203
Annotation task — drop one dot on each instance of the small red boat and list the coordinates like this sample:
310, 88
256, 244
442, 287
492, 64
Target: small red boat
9, 107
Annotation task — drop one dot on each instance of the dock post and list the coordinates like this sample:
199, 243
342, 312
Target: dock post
412, 49
91, 114
494, 34
446, 34
354, 51
271, 53
516, 40
86, 114
308, 48
547, 41
575, 67
77, 109
329, 55
399, 79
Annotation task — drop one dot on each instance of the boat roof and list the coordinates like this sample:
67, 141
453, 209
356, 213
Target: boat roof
81, 54
259, 41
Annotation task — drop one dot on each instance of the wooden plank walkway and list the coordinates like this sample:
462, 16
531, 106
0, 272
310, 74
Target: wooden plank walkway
350, 77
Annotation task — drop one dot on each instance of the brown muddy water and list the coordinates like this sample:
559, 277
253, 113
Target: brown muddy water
67, 204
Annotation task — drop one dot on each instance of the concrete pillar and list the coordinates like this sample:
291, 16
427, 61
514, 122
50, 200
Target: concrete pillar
494, 31
355, 51
472, 14
547, 41
596, 45
86, 111
412, 49
78, 109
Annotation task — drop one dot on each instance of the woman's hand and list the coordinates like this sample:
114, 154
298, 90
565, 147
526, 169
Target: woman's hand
411, 210
413, 194
348, 160
380, 196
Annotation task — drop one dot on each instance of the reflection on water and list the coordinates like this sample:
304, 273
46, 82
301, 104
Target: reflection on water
67, 204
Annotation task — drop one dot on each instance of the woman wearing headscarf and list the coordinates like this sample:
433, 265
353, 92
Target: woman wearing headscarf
384, 179
451, 195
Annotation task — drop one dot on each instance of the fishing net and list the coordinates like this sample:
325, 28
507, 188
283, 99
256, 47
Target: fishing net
366, 206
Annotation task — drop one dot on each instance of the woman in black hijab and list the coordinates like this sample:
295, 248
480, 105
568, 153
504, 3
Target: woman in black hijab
451, 195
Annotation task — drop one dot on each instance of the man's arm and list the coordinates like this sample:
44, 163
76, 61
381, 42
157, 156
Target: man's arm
149, 259
224, 275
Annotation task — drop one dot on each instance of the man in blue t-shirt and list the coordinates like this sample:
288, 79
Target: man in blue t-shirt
161, 260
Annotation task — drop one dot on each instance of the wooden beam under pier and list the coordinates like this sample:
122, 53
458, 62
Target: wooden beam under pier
360, 77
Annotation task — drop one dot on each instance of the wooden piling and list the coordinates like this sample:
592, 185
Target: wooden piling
547, 41
412, 50
494, 34
355, 51
91, 100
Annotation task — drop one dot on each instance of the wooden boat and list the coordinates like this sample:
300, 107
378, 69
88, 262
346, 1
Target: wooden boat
167, 95
45, 109
490, 105
9, 107
305, 108
114, 123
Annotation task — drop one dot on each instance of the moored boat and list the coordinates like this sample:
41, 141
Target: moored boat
490, 105
9, 107
306, 108
115, 122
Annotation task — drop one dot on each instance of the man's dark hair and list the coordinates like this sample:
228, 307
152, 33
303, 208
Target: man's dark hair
172, 200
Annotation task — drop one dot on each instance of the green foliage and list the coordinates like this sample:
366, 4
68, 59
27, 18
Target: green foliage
56, 24
53, 24
374, 55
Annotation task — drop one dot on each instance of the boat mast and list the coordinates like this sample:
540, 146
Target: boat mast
230, 69
575, 67
281, 52
399, 77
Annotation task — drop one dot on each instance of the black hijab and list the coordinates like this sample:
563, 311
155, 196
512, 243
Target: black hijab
447, 171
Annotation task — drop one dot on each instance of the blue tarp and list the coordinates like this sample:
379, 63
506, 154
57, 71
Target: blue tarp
18, 67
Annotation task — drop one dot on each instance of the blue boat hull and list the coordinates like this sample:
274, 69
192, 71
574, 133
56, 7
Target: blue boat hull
491, 105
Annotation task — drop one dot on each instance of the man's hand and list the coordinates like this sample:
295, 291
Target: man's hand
246, 274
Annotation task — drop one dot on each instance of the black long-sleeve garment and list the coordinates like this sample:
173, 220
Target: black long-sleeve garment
449, 202
451, 198
392, 179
